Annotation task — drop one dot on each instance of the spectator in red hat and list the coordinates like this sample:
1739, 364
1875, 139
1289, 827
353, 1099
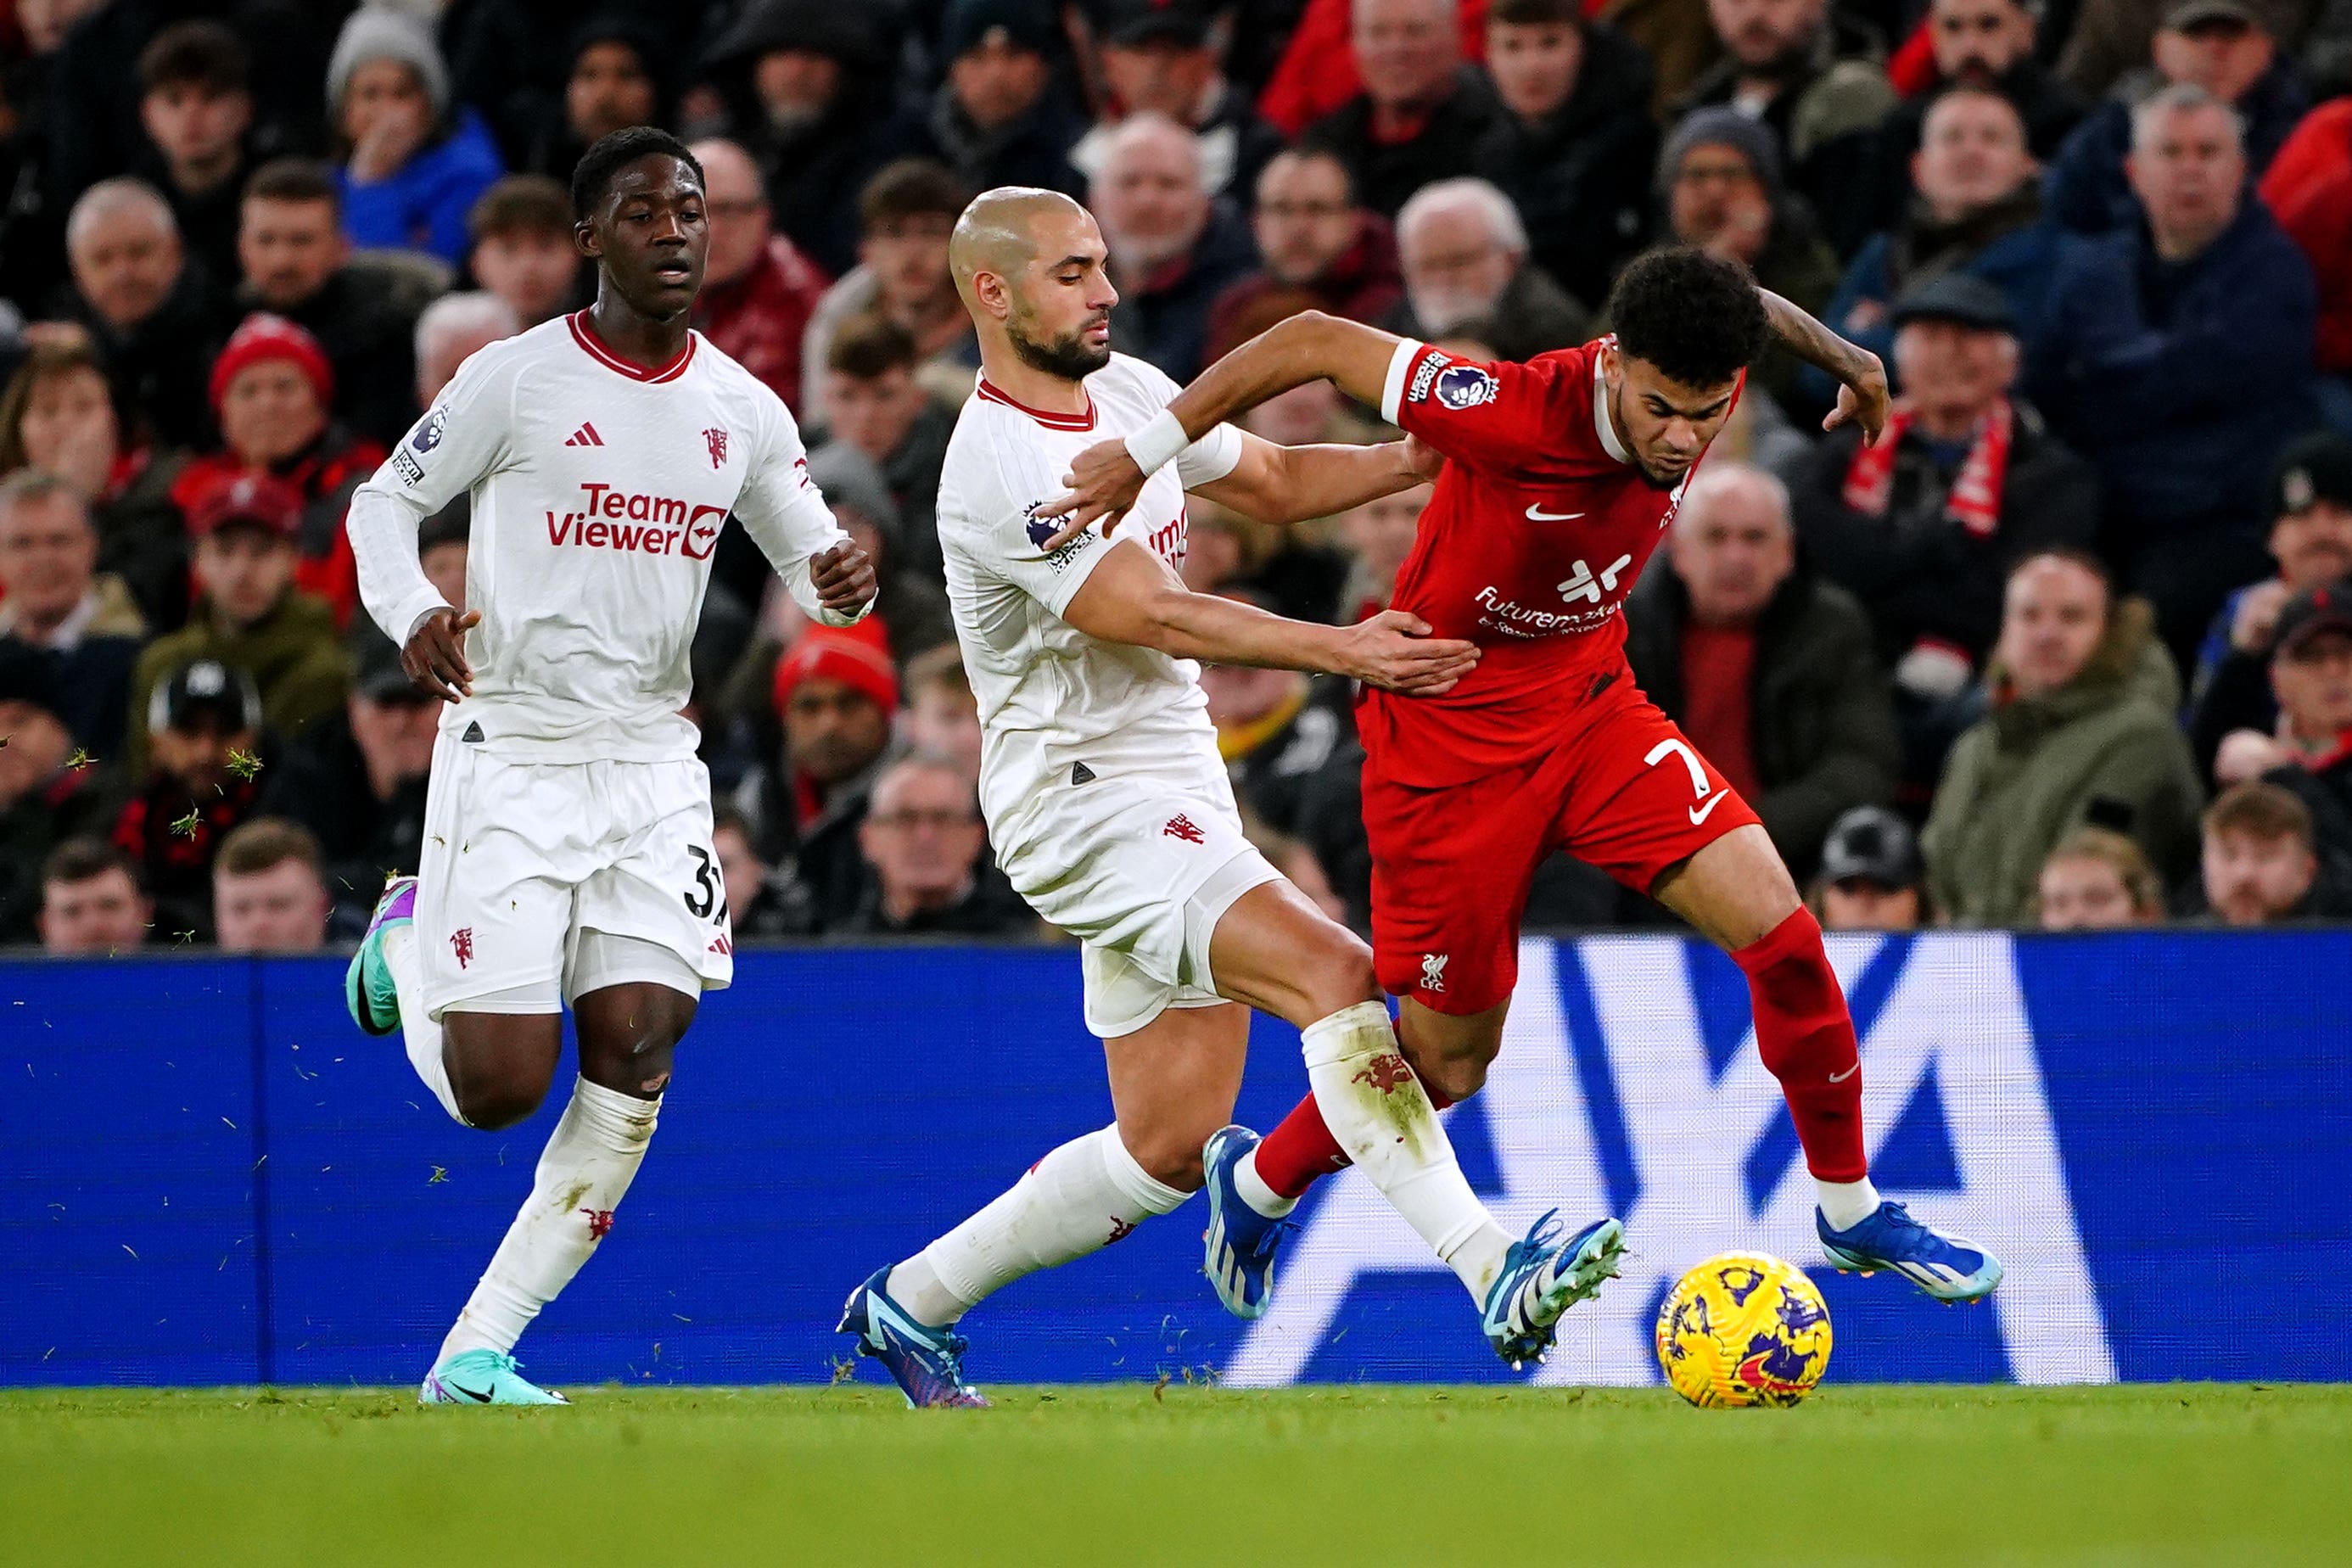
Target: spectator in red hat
248, 614
836, 692
273, 391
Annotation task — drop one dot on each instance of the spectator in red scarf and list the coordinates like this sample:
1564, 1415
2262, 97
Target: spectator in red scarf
759, 292
1924, 525
273, 391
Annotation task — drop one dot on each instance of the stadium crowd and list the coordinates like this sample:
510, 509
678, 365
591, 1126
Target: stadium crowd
2069, 646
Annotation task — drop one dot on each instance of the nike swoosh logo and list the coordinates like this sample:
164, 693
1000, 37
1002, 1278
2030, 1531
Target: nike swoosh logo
1699, 814
1841, 1077
1538, 514
461, 1388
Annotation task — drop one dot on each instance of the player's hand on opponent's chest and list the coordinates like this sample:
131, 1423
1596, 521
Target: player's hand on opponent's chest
1104, 482
1394, 651
435, 658
842, 577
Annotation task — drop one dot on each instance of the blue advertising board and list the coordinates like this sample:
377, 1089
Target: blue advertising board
213, 1178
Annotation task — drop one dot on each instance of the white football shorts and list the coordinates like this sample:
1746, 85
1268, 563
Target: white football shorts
1139, 867
542, 882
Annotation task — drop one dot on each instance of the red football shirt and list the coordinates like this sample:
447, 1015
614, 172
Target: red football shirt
1539, 526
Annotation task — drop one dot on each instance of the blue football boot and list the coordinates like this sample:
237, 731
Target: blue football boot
1949, 1268
926, 1364
1542, 1279
368, 990
1241, 1241
482, 1377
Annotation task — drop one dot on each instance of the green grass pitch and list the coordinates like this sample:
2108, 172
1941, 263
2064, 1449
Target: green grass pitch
1130, 1475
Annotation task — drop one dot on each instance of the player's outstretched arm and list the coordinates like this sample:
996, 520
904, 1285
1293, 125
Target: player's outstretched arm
1290, 484
1133, 597
1861, 378
1105, 478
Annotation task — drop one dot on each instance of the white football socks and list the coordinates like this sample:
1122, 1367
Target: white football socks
424, 1035
586, 1169
1847, 1204
1378, 1113
1255, 1192
1078, 1199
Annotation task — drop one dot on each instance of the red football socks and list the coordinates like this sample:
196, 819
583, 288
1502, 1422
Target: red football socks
1300, 1149
1805, 1036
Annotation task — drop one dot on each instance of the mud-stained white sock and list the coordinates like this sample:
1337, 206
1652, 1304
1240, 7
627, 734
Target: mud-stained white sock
585, 1171
1846, 1204
1078, 1199
423, 1035
1377, 1111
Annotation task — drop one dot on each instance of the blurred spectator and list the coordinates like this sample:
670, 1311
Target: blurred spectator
942, 716
804, 77
2097, 879
1173, 250
268, 896
2309, 190
1767, 669
836, 692
925, 855
759, 293
911, 600
1815, 79
1925, 525
2311, 540
905, 216
612, 80
1379, 535
1277, 729
1315, 244
355, 781
2111, 39
1981, 43
248, 615
1871, 877
80, 627
511, 59
1573, 143
451, 331
1423, 111
2260, 863
1000, 119
297, 265
2310, 752
1159, 56
1976, 210
273, 391
196, 108
153, 317
2080, 732
60, 415
1466, 265
521, 232
198, 779
91, 901
411, 162
46, 794
2217, 45
2179, 361
1720, 177
873, 403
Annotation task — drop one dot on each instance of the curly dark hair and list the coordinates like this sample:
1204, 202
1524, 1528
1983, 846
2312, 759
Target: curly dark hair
592, 177
1697, 319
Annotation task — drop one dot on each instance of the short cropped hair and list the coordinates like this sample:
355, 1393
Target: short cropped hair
125, 192
85, 860
264, 844
1694, 316
592, 177
939, 668
295, 179
910, 187
2261, 810
870, 344
2125, 858
1536, 13
520, 203
2181, 98
200, 54
1496, 210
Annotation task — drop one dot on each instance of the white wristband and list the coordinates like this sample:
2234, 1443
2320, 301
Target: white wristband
1155, 445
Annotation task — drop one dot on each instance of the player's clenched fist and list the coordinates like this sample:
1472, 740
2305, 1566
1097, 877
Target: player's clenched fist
1394, 651
842, 577
435, 658
1104, 482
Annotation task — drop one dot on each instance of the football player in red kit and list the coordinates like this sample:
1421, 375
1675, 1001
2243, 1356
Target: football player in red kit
1561, 476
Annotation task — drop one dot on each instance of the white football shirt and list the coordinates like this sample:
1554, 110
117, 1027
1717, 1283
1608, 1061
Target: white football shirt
599, 488
1050, 696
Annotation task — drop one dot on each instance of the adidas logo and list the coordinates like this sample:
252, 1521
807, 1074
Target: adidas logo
585, 437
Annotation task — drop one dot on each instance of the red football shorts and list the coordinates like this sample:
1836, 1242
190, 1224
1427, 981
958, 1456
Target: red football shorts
1623, 789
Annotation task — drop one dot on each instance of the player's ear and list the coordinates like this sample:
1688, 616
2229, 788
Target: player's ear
584, 238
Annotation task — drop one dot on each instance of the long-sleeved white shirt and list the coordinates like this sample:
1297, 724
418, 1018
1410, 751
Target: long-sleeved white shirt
599, 488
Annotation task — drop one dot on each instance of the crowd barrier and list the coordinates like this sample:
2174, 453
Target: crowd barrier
211, 1177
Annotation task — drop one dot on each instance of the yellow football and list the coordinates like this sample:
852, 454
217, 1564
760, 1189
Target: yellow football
1744, 1328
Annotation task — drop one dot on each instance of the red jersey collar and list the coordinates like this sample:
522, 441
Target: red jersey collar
585, 334
991, 393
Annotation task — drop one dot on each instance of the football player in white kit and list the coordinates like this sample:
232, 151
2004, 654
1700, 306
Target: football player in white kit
1109, 810
567, 854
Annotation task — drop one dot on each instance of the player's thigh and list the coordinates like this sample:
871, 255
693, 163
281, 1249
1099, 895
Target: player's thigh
494, 887
1734, 891
659, 898
1274, 951
1174, 1082
1451, 870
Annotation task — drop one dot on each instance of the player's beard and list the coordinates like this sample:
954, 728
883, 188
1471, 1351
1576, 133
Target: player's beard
1069, 356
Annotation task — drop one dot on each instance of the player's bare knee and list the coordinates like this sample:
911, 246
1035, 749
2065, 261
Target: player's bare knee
494, 1103
1169, 1155
1338, 973
1456, 1078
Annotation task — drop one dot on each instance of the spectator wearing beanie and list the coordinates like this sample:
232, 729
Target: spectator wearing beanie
43, 801
411, 170
1000, 118
273, 391
613, 80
